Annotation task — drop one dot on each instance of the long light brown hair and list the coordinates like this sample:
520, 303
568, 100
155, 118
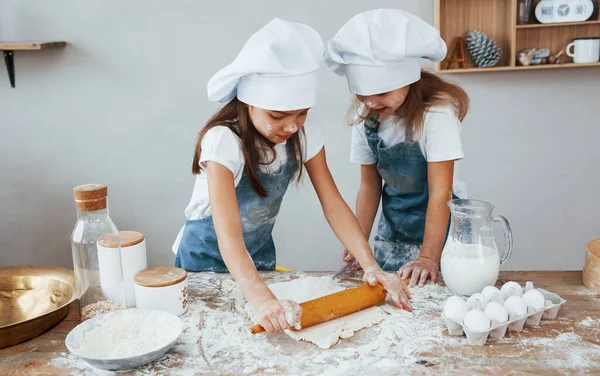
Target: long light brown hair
257, 150
430, 91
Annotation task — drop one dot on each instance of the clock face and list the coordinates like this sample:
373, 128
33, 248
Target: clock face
549, 11
563, 10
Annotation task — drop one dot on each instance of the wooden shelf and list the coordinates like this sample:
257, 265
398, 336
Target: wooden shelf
31, 46
498, 19
562, 24
519, 68
8, 49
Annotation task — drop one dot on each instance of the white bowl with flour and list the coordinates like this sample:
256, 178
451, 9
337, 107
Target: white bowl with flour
125, 339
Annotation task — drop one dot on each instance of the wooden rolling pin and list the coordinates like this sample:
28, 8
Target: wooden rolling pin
338, 304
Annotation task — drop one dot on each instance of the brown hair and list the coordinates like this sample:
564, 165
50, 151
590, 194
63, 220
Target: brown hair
255, 147
430, 91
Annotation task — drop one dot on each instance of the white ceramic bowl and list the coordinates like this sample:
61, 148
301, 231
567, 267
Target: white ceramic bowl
153, 343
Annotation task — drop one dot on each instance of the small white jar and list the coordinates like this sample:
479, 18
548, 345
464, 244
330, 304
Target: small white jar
119, 261
163, 288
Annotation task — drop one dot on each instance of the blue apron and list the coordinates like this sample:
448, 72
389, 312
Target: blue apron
405, 195
199, 250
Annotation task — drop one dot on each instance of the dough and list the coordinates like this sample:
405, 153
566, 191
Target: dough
327, 334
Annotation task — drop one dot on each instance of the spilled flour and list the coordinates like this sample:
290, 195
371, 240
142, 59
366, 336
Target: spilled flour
217, 340
590, 322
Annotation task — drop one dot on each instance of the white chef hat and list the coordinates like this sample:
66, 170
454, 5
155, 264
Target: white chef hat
380, 50
277, 69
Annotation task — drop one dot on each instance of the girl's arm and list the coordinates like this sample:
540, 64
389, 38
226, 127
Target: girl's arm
369, 195
439, 176
367, 201
273, 315
348, 230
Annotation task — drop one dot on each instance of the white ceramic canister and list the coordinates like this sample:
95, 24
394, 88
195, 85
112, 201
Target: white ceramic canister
163, 288
122, 263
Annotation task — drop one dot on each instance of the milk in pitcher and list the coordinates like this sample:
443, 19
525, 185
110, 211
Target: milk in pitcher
468, 268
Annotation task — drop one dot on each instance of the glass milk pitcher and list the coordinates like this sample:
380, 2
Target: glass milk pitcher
470, 259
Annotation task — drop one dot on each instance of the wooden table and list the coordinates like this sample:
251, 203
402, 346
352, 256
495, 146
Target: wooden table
576, 349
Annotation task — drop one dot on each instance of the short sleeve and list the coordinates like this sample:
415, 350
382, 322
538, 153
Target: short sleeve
222, 146
360, 151
313, 140
442, 136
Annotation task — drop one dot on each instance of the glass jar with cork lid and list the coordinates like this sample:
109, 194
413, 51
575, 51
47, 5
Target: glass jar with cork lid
94, 225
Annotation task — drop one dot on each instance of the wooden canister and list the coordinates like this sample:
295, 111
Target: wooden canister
591, 269
163, 288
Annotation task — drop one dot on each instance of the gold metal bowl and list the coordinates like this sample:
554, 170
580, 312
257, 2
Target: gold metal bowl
33, 299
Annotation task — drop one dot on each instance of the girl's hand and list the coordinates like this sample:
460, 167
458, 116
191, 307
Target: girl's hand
278, 315
392, 283
421, 269
348, 258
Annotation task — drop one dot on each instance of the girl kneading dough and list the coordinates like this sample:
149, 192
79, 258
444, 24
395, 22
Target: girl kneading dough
406, 134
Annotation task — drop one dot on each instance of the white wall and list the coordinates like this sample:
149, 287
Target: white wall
123, 103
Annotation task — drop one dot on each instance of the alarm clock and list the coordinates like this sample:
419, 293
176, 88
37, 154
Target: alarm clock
555, 11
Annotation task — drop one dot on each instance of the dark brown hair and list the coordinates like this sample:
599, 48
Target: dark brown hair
257, 150
430, 91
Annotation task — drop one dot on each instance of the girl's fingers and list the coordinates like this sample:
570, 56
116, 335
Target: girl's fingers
401, 300
266, 324
415, 277
434, 276
406, 269
298, 318
275, 323
423, 278
282, 321
371, 280
404, 289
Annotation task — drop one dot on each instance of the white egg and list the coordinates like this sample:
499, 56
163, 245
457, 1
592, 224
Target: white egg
490, 291
496, 311
515, 305
477, 301
535, 299
455, 308
477, 320
511, 286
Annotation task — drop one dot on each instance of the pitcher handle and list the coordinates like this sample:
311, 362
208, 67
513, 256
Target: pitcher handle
508, 241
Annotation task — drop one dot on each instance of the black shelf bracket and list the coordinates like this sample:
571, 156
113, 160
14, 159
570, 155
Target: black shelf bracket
10, 66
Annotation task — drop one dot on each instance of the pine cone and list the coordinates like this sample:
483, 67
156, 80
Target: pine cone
484, 51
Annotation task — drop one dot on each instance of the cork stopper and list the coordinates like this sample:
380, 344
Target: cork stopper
128, 239
90, 197
160, 277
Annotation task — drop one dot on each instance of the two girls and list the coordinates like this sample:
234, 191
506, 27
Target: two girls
247, 155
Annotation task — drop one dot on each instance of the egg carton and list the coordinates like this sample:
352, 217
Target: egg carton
552, 305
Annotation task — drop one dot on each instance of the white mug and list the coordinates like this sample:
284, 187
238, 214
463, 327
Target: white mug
587, 50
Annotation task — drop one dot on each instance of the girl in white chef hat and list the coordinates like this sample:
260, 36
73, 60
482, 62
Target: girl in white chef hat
247, 155
406, 133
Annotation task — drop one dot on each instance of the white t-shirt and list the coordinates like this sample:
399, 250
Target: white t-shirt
223, 146
439, 141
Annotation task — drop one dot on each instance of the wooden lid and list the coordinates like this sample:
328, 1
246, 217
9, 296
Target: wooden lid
160, 276
90, 192
128, 239
90, 197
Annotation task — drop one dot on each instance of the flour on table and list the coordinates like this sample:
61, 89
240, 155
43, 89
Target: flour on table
326, 334
589, 322
217, 340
